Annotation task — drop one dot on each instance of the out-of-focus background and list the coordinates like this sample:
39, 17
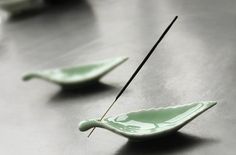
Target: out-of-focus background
195, 61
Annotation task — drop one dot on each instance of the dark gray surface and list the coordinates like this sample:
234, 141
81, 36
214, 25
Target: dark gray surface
195, 61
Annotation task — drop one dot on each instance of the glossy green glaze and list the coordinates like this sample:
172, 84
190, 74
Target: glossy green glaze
77, 76
150, 123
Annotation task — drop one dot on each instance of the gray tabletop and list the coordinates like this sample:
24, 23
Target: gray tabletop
195, 61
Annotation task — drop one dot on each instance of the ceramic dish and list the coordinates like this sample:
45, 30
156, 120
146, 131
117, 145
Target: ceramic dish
150, 123
18, 6
77, 76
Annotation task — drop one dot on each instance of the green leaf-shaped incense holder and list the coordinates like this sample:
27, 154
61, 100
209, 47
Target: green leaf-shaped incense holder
150, 123
77, 76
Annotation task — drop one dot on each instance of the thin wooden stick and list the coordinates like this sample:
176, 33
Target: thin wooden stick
137, 70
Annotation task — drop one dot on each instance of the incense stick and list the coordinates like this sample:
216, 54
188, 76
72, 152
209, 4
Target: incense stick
136, 71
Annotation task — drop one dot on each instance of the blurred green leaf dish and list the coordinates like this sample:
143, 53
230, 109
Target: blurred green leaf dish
79, 76
17, 6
